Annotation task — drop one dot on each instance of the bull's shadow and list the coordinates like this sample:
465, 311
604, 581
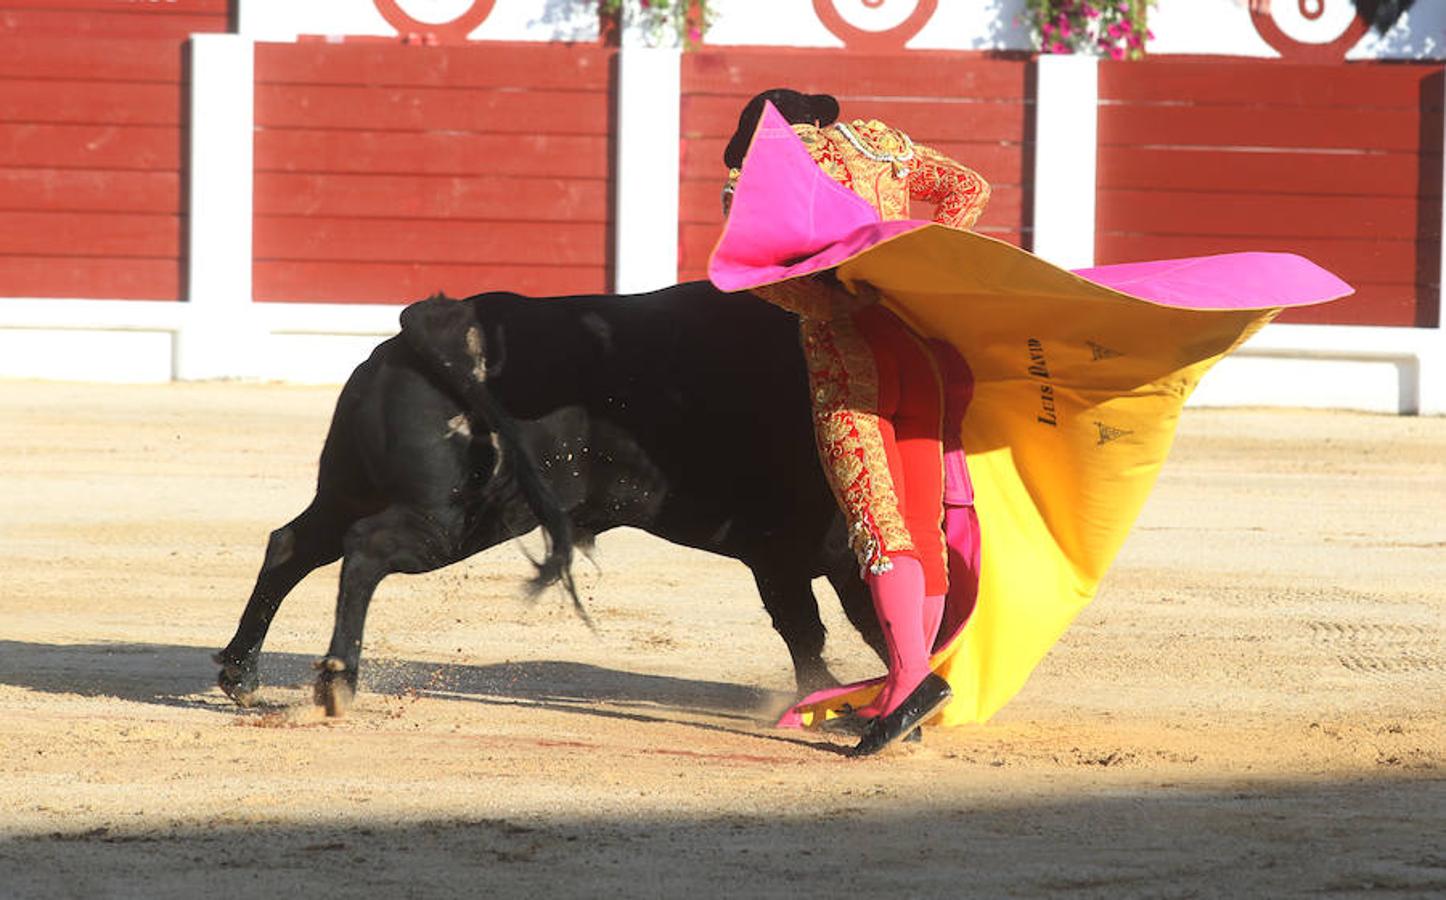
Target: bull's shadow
174, 675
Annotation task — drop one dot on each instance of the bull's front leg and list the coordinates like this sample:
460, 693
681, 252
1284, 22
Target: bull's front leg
310, 540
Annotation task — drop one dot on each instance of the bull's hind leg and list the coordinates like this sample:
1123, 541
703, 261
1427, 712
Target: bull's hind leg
398, 539
307, 542
787, 594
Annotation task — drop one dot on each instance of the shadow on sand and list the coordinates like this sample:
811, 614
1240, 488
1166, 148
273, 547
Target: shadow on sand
1312, 839
172, 675
1103, 838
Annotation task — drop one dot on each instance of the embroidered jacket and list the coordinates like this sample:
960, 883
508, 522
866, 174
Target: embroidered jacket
886, 168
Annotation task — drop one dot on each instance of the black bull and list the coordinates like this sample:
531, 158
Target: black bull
683, 412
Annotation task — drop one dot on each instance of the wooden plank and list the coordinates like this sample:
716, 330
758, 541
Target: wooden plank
91, 277
65, 234
431, 153
137, 7
90, 102
84, 190
1268, 84
851, 76
378, 282
110, 24
1386, 305
999, 162
433, 197
527, 112
1357, 259
144, 147
1396, 174
1194, 126
315, 238
89, 58
1283, 216
926, 119
701, 202
495, 64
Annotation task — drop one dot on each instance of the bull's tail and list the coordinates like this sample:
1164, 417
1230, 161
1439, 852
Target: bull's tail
446, 336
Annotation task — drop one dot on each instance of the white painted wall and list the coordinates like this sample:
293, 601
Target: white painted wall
218, 336
956, 25
648, 163
1224, 27
220, 333
1065, 160
1180, 26
510, 20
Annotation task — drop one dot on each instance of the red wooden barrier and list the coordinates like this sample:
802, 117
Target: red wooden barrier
90, 168
91, 132
387, 172
974, 109
1339, 163
173, 19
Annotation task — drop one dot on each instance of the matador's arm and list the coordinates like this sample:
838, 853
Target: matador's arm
959, 193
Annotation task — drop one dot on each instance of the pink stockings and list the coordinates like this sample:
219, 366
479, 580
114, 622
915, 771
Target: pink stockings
911, 629
902, 609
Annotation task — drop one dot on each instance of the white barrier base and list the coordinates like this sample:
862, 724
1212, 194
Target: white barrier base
142, 341
1373, 369
1386, 370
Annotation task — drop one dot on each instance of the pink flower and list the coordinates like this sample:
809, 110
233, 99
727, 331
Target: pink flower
1058, 48
1046, 29
695, 34
1116, 53
1090, 12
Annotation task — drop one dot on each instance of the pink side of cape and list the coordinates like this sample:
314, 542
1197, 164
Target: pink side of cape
790, 219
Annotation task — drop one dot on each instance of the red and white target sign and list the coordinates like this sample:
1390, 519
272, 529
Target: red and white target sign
445, 21
1314, 31
875, 24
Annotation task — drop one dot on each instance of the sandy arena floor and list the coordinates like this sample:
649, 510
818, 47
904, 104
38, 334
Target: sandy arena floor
1252, 706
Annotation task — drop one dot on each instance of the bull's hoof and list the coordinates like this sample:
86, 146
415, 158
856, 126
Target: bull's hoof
335, 687
814, 679
239, 681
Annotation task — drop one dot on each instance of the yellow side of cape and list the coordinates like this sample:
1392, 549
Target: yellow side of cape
1077, 392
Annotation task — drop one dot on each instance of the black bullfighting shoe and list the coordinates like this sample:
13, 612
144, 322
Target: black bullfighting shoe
853, 724
925, 700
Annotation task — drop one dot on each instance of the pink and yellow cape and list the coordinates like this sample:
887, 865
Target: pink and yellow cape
1079, 380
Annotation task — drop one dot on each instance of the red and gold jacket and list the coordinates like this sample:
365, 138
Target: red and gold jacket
886, 168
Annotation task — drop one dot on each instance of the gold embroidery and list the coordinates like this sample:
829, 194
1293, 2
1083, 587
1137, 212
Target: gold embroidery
958, 193
808, 297
845, 386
